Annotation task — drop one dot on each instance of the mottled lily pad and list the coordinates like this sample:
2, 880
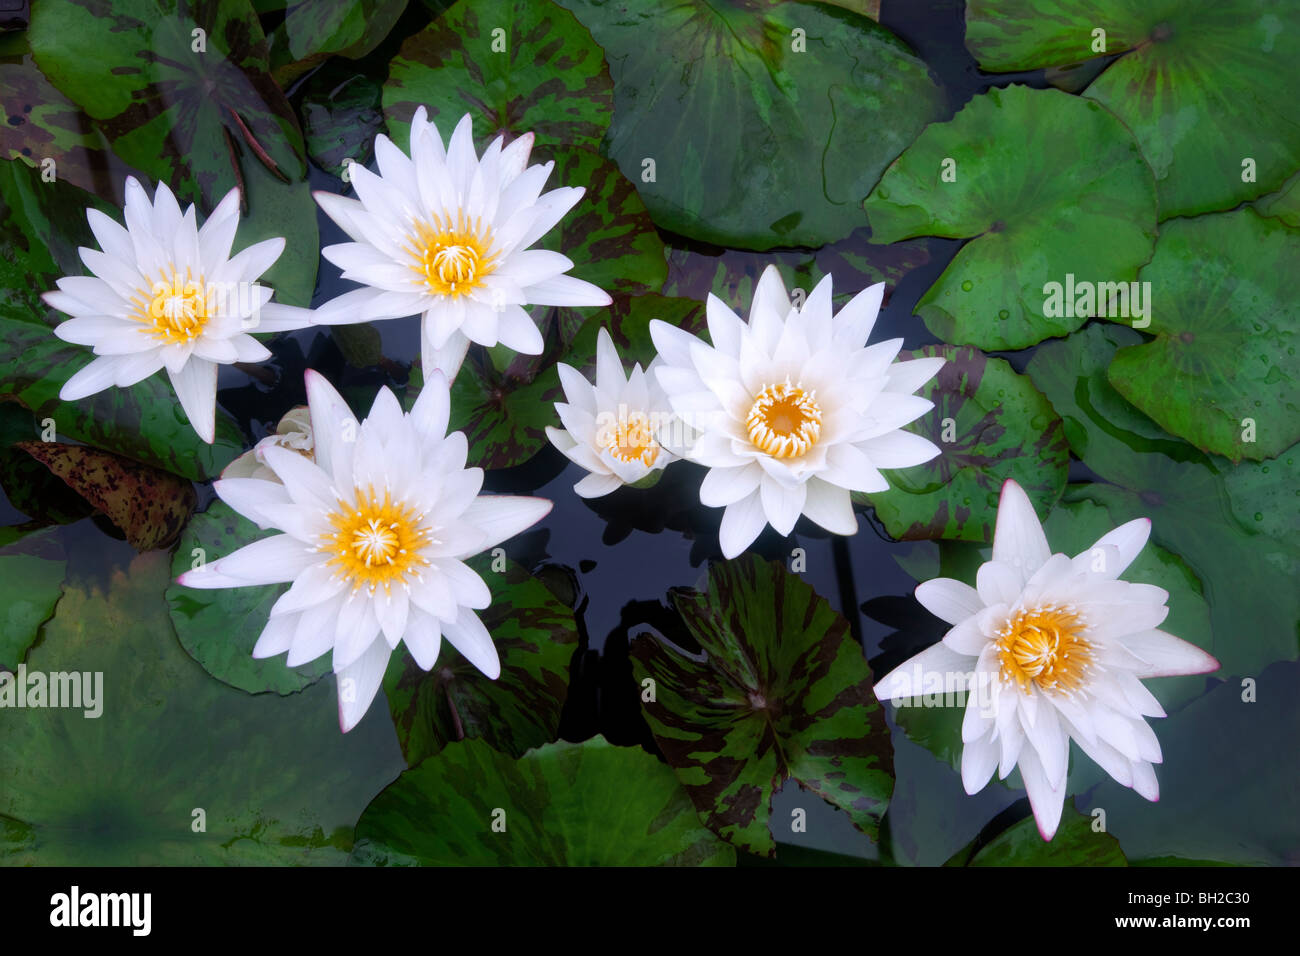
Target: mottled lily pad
32, 569
589, 804
1223, 371
275, 780
340, 116
808, 104
534, 634
41, 226
1076, 843
220, 627
147, 504
1195, 503
1181, 64
1046, 186
989, 424
541, 73
197, 111
781, 691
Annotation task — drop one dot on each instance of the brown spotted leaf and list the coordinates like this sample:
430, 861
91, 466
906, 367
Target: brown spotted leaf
149, 506
781, 690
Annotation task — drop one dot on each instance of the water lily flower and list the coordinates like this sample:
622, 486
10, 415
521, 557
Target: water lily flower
167, 293
793, 410
1051, 648
612, 428
445, 234
293, 432
375, 533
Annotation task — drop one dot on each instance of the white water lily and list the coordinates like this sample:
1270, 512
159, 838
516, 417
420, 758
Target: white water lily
293, 432
167, 293
794, 411
445, 234
612, 428
375, 533
1051, 648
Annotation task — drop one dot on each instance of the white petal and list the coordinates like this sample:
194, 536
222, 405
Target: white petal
359, 682
196, 387
468, 635
272, 560
909, 678
1018, 539
979, 759
1046, 803
504, 516
830, 506
949, 600
1167, 656
723, 486
741, 524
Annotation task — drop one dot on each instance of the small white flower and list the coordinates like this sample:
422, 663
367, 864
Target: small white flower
612, 428
167, 294
445, 234
376, 530
1051, 648
293, 432
793, 410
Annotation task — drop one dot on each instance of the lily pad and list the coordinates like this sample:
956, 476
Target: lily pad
780, 691
989, 424
1247, 575
351, 28
220, 627
535, 635
1180, 65
41, 226
32, 569
1076, 843
608, 235
1283, 204
1047, 187
147, 504
276, 781
340, 116
197, 111
810, 103
550, 79
589, 804
1223, 371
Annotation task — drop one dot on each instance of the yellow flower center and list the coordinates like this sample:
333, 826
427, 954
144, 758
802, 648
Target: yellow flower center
452, 257
176, 308
375, 542
632, 439
1045, 646
784, 420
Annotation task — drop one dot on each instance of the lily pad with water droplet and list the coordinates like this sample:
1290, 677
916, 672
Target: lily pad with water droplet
1203, 86
1046, 186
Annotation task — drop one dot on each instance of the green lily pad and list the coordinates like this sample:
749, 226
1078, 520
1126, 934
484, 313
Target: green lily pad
1076, 843
32, 569
589, 804
550, 79
350, 28
220, 627
340, 117
732, 274
148, 505
1213, 774
535, 635
41, 226
1195, 503
810, 103
1223, 371
608, 235
276, 781
1283, 204
1047, 186
201, 120
1181, 64
989, 424
781, 692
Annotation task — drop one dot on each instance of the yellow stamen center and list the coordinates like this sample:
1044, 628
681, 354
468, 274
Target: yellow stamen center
452, 257
1045, 646
375, 542
784, 420
632, 439
176, 308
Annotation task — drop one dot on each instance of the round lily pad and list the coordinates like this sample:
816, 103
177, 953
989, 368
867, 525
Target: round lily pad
989, 424
1223, 371
514, 65
1200, 85
781, 691
589, 804
1048, 188
810, 103
32, 569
